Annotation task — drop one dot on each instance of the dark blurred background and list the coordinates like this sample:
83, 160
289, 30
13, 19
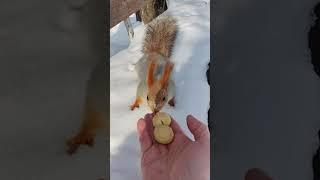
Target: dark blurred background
47, 51
266, 94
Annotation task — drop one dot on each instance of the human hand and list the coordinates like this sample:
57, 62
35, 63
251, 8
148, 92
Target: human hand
182, 159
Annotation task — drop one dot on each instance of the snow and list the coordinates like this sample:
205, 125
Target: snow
191, 56
119, 36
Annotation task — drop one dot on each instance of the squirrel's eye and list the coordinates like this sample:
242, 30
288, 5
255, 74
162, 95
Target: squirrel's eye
164, 98
148, 98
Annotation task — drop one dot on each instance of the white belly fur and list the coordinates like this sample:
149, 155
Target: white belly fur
141, 68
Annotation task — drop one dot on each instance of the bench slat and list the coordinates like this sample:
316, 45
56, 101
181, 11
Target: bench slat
122, 9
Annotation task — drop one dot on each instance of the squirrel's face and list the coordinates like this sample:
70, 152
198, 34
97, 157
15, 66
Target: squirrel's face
157, 97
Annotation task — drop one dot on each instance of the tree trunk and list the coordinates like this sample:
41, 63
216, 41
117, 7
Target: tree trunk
138, 16
160, 6
152, 9
122, 9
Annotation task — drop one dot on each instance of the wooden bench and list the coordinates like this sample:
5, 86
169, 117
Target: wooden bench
121, 10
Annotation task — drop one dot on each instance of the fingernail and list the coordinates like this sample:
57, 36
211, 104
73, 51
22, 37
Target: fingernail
191, 120
189, 117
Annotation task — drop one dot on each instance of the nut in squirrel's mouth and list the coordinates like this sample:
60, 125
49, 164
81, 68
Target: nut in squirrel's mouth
155, 111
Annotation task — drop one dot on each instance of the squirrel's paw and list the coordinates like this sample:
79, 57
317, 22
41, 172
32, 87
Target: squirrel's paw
83, 139
136, 104
132, 107
172, 102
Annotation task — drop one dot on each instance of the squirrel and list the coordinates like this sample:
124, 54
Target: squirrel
154, 68
157, 47
96, 110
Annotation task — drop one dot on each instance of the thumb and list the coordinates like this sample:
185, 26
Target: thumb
199, 130
144, 137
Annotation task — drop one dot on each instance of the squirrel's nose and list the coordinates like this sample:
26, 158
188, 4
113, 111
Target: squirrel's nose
153, 109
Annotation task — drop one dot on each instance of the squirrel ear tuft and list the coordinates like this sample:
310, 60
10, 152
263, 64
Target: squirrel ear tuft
150, 76
166, 74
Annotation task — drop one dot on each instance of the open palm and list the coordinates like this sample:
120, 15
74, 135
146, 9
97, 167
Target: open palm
181, 159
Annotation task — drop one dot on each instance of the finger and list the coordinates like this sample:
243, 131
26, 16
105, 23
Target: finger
199, 130
144, 137
179, 135
141, 125
148, 119
256, 174
161, 148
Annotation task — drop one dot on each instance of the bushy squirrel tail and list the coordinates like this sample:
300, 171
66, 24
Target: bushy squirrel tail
160, 36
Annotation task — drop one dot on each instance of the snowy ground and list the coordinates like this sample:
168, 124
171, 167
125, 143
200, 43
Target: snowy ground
119, 37
191, 58
267, 96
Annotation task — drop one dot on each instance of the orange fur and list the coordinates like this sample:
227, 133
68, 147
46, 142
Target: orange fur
91, 123
150, 77
166, 75
136, 103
